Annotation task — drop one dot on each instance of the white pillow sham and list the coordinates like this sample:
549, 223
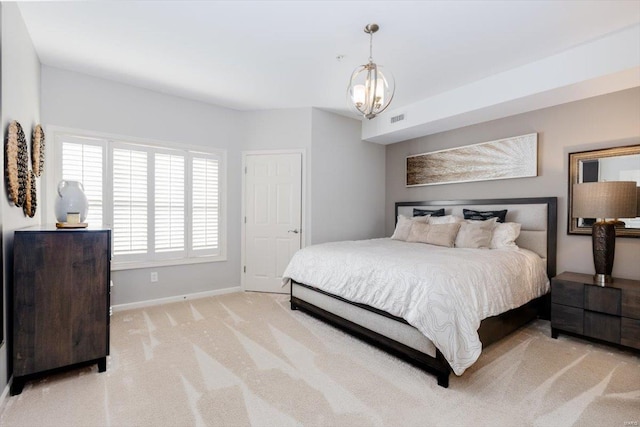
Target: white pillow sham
505, 235
403, 226
447, 219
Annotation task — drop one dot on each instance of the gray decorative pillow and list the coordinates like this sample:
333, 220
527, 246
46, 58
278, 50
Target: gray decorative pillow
484, 215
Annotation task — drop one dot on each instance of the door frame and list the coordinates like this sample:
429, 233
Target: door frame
303, 199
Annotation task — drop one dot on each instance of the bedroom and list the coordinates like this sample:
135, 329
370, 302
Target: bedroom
36, 92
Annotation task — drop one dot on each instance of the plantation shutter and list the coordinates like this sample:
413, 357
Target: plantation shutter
205, 205
83, 162
130, 205
164, 204
169, 202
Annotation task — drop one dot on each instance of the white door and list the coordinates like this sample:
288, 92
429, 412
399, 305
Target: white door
273, 201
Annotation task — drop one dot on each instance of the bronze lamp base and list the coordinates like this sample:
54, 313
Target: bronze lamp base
603, 238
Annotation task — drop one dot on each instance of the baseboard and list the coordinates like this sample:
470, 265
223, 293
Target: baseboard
5, 393
159, 301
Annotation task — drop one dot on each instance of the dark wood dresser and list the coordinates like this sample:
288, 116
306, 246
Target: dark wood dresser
61, 301
608, 313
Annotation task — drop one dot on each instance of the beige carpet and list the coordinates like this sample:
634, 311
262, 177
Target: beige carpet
247, 359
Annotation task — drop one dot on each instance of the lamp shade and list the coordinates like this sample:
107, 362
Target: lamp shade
610, 199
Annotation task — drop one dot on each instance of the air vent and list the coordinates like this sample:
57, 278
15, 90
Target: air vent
398, 118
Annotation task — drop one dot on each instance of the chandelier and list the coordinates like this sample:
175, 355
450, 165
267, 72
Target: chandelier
370, 90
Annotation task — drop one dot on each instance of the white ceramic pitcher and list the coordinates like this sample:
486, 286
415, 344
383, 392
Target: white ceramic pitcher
71, 199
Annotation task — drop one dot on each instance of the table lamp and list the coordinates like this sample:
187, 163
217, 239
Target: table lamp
602, 200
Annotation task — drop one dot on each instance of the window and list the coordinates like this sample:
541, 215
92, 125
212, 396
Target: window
169, 202
163, 203
130, 201
205, 204
83, 162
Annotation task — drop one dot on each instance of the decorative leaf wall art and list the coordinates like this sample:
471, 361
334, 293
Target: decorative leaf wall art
21, 180
11, 159
37, 151
30, 203
17, 163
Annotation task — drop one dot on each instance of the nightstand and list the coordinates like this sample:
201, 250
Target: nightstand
608, 313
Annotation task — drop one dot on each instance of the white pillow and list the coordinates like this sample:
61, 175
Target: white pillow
505, 235
447, 219
403, 227
475, 234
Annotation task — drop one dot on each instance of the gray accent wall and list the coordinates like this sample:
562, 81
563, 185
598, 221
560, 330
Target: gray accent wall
20, 100
600, 122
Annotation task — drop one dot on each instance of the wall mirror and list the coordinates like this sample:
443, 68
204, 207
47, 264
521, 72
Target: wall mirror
610, 164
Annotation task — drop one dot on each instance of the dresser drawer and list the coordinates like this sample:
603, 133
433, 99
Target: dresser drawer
631, 303
602, 300
567, 293
630, 333
568, 319
602, 326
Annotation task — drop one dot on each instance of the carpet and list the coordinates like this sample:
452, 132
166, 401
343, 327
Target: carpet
247, 359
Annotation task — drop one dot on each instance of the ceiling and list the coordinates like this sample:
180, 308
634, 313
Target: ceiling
255, 55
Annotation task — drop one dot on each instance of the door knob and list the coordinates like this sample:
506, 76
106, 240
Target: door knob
293, 231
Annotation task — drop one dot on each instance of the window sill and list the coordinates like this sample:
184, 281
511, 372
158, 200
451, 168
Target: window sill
119, 266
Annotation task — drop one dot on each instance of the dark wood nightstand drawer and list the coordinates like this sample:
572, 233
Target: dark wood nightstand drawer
567, 293
631, 303
608, 313
568, 319
602, 326
630, 333
603, 300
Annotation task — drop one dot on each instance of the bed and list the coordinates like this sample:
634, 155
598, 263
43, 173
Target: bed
408, 339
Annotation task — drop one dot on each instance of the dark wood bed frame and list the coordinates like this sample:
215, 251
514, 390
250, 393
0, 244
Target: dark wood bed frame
491, 329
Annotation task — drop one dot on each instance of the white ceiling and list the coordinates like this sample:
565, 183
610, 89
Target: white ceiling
252, 55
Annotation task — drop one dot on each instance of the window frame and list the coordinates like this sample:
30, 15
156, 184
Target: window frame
53, 175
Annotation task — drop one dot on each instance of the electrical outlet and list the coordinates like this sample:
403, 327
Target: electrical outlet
154, 276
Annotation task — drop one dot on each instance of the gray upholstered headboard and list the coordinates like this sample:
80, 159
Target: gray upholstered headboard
537, 215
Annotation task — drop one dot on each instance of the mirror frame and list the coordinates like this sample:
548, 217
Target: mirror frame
574, 163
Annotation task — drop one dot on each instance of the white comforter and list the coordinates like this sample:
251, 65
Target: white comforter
443, 292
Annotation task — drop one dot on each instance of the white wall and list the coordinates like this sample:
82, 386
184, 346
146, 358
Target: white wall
340, 169
20, 100
600, 122
79, 101
347, 181
342, 172
285, 129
